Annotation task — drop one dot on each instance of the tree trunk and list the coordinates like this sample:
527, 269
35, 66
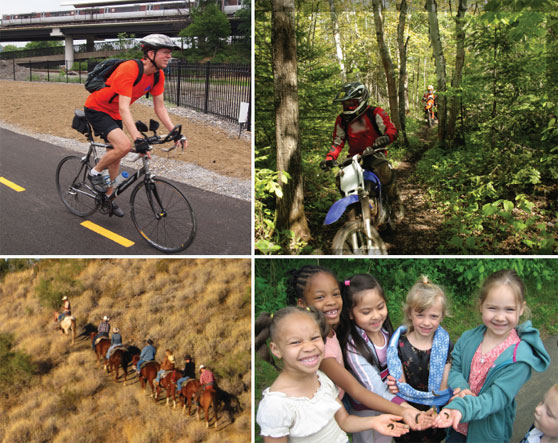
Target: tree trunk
290, 207
437, 49
459, 62
337, 38
388, 66
403, 79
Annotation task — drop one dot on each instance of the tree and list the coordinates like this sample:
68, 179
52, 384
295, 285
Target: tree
403, 80
209, 27
438, 51
386, 62
290, 206
337, 38
43, 44
459, 62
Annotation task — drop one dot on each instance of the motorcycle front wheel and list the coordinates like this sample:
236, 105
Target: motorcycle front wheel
351, 240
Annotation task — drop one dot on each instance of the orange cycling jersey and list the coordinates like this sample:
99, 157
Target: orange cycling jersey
121, 82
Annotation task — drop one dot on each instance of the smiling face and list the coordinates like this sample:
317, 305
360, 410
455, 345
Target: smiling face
298, 343
546, 413
162, 57
426, 322
369, 311
323, 293
501, 311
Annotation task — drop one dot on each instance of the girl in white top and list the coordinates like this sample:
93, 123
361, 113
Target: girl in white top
302, 405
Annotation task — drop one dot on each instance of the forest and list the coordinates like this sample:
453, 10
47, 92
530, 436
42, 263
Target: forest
483, 179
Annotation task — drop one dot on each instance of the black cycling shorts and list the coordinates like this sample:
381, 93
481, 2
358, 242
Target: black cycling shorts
102, 123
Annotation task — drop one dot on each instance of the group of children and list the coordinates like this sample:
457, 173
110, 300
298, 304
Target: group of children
346, 370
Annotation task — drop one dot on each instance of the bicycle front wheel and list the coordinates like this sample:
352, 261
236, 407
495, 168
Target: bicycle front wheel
74, 188
162, 215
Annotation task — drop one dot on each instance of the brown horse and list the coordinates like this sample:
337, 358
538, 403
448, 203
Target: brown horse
147, 373
101, 349
187, 392
168, 382
207, 398
122, 357
67, 325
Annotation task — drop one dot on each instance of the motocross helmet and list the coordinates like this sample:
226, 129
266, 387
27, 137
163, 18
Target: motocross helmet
430, 88
354, 97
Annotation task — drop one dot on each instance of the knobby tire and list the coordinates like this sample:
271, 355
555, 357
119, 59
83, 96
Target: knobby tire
342, 242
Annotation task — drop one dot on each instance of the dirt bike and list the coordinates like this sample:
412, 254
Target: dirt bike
367, 208
430, 111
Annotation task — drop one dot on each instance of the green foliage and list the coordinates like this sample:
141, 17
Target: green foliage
44, 44
16, 369
15, 264
9, 48
208, 29
57, 279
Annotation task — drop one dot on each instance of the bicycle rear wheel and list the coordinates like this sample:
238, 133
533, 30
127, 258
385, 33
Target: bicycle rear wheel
74, 188
162, 215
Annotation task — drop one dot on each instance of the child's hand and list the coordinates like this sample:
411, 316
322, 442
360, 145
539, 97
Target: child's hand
388, 424
460, 393
416, 419
392, 385
448, 417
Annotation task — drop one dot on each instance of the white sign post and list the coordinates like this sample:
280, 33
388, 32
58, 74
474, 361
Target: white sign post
242, 116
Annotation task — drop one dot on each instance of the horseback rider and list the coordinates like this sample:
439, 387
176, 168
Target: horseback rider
207, 379
66, 309
166, 365
364, 126
115, 340
147, 354
188, 372
102, 331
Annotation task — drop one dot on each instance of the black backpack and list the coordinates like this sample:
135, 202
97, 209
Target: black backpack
97, 78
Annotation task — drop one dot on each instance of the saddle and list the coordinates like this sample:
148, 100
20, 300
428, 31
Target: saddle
146, 362
101, 338
117, 347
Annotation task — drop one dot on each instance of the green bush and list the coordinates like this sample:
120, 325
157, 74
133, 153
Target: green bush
16, 368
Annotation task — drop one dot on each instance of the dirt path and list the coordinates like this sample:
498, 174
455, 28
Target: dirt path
48, 108
419, 231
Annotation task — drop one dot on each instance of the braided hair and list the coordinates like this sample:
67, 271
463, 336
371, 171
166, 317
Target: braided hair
298, 281
346, 331
266, 328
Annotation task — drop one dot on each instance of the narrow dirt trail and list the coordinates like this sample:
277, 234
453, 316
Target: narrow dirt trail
419, 232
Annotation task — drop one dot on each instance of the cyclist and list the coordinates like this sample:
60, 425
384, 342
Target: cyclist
363, 126
108, 109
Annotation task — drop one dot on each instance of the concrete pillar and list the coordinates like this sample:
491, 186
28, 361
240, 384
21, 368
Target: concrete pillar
69, 51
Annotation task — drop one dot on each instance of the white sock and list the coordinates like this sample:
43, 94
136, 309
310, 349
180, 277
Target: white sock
94, 171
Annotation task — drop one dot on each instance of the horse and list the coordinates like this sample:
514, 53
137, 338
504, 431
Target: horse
101, 349
122, 357
187, 392
147, 373
206, 398
169, 383
66, 325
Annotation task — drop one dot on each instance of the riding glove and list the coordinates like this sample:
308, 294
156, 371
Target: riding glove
326, 164
381, 141
141, 145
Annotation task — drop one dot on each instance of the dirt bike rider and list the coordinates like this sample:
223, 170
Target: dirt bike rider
363, 126
108, 109
427, 96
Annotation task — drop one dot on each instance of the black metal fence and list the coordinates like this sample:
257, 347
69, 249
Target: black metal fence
211, 88
216, 89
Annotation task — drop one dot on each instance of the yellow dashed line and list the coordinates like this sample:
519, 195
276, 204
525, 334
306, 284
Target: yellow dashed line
12, 185
108, 234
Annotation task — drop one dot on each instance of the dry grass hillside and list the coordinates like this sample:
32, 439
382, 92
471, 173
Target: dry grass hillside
54, 392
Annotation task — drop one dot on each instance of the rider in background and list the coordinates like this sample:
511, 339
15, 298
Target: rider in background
363, 126
428, 95
66, 309
147, 354
102, 331
166, 365
108, 109
115, 340
207, 379
188, 372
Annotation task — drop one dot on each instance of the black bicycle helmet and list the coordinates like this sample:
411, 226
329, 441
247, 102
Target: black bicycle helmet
354, 96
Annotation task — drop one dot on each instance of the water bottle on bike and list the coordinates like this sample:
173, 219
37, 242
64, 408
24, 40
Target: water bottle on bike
106, 177
122, 177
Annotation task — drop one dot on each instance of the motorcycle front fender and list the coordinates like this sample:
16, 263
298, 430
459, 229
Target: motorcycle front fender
338, 208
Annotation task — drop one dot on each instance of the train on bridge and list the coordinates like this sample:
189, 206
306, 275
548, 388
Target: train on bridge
153, 10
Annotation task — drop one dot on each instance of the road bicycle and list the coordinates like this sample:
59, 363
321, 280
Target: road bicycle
160, 211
